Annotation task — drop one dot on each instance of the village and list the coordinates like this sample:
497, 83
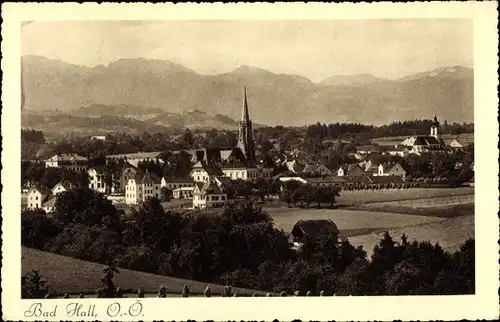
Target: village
214, 171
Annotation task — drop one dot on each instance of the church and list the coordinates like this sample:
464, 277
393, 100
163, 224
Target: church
425, 143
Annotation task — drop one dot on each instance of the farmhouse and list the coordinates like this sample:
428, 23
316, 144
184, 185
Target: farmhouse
313, 228
388, 169
369, 167
366, 149
350, 170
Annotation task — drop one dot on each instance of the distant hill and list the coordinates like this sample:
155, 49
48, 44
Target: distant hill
274, 99
68, 275
101, 119
352, 80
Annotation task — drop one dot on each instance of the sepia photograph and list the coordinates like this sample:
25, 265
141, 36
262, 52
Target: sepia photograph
201, 158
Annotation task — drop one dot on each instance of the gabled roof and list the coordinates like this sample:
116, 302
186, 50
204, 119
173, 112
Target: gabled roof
65, 184
366, 148
147, 177
426, 140
211, 170
139, 155
211, 188
50, 201
224, 182
329, 179
349, 168
40, 189
316, 227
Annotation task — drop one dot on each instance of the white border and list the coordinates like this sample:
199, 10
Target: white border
483, 305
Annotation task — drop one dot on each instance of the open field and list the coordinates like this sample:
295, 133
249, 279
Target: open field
349, 222
384, 195
69, 275
427, 202
450, 233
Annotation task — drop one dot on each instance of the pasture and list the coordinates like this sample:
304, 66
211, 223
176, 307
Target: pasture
450, 233
357, 197
68, 275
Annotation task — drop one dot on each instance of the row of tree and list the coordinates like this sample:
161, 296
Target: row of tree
239, 245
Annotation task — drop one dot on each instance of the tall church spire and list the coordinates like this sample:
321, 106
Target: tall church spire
245, 138
244, 115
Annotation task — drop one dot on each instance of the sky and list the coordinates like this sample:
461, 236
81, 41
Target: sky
316, 49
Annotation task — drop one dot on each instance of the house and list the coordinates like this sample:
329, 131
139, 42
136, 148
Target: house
240, 170
36, 197
264, 171
294, 166
455, 144
60, 187
366, 149
317, 170
313, 228
142, 187
98, 137
183, 192
174, 183
370, 167
201, 172
350, 170
387, 169
396, 150
97, 180
129, 172
135, 158
208, 195
73, 162
49, 204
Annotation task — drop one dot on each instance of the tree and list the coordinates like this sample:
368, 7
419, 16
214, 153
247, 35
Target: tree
108, 286
37, 229
188, 138
33, 286
166, 194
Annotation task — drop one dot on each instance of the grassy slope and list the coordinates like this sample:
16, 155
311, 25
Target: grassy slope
69, 275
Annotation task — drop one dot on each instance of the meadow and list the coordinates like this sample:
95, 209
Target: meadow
385, 195
68, 275
450, 233
349, 222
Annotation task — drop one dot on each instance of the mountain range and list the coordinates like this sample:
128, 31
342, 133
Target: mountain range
163, 93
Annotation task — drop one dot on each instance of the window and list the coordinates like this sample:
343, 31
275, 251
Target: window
36, 198
215, 198
223, 198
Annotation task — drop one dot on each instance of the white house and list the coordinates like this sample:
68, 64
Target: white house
455, 144
183, 193
174, 183
97, 182
129, 172
142, 187
387, 169
61, 187
208, 195
241, 171
36, 197
294, 166
202, 172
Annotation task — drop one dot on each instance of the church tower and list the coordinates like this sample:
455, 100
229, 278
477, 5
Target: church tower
435, 128
245, 137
